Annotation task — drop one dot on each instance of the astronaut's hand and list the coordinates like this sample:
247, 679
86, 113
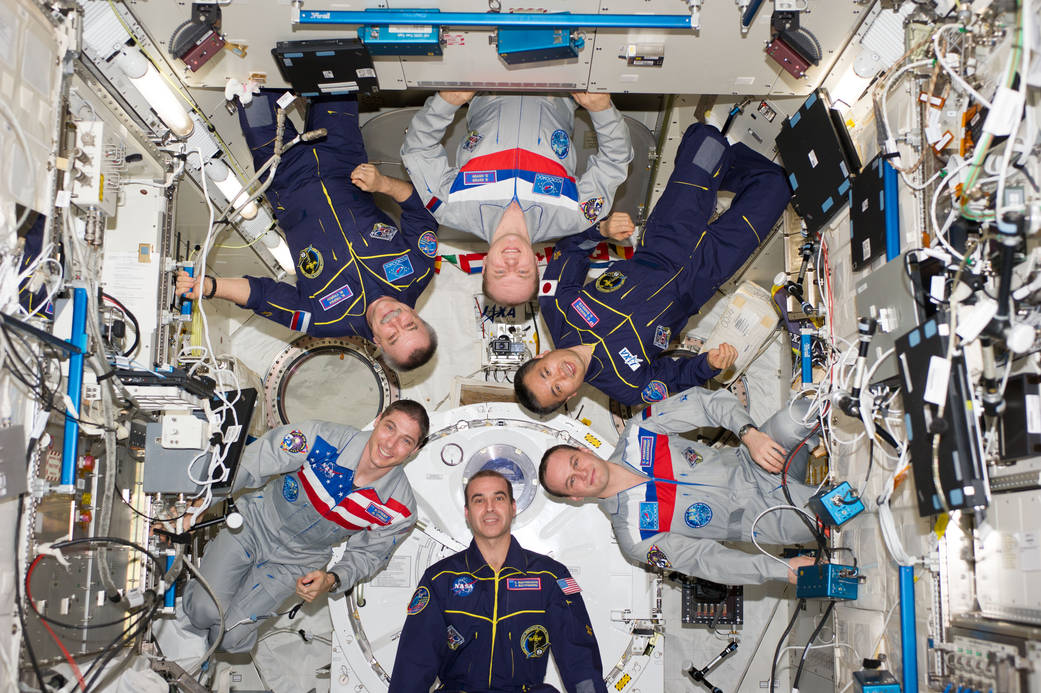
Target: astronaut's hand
722, 357
592, 102
456, 98
617, 227
368, 178
765, 451
796, 562
313, 584
187, 285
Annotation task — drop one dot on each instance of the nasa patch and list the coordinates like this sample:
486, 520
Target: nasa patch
649, 516
473, 138
654, 391
692, 456
560, 143
290, 489
310, 262
294, 441
698, 515
591, 208
419, 601
463, 586
455, 638
398, 268
383, 232
427, 243
657, 558
661, 336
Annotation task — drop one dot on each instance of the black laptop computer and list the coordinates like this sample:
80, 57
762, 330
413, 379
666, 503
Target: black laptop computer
326, 66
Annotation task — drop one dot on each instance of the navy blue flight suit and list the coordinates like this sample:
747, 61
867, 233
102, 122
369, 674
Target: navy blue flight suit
348, 252
631, 311
478, 631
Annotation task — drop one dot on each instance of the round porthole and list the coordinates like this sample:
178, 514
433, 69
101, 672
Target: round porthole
336, 379
513, 464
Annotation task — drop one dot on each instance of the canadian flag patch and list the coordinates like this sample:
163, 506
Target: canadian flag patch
548, 287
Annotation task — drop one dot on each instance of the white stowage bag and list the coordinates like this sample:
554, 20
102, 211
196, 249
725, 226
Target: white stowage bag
747, 322
139, 678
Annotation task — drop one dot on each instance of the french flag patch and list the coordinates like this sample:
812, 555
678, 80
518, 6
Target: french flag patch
300, 321
568, 585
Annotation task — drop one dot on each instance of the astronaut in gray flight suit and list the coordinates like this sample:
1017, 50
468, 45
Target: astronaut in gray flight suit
672, 501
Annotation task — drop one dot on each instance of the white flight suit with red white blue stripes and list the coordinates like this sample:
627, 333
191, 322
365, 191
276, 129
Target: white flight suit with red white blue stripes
518, 147
308, 506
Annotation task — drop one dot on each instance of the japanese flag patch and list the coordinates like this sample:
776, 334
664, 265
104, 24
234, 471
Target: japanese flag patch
548, 287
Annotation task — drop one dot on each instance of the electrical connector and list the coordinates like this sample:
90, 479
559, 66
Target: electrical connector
827, 581
836, 505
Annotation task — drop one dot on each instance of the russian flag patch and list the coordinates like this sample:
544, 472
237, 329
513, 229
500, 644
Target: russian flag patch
300, 321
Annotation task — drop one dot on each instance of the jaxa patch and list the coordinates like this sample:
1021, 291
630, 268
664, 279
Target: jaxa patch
591, 208
383, 232
610, 281
662, 335
632, 360
294, 441
419, 601
463, 586
560, 143
698, 515
526, 584
310, 262
654, 391
657, 558
692, 456
534, 642
398, 268
455, 638
473, 138
290, 489
548, 287
649, 516
427, 243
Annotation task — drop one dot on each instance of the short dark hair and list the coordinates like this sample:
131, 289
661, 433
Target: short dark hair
484, 473
531, 297
418, 357
545, 463
525, 397
415, 411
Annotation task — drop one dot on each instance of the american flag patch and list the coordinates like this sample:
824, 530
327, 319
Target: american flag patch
568, 585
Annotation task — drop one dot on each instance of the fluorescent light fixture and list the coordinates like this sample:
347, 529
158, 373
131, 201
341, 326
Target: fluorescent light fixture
143, 75
281, 253
228, 183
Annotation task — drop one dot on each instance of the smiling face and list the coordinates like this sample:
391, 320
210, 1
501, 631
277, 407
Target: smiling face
510, 270
555, 377
396, 328
489, 510
576, 474
395, 437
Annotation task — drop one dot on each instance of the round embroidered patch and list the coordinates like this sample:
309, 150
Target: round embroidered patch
591, 208
610, 281
534, 642
654, 391
693, 457
657, 558
420, 599
294, 441
698, 515
290, 489
310, 262
427, 243
463, 586
560, 143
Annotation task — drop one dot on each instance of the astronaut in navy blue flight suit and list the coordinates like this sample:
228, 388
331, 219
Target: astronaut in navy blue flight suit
610, 331
357, 272
486, 619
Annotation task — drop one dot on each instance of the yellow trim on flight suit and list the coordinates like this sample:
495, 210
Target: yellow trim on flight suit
495, 620
752, 227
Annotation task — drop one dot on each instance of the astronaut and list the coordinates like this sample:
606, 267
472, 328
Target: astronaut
514, 180
323, 483
485, 619
610, 331
671, 500
358, 273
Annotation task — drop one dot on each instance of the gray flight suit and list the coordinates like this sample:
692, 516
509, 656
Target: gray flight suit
308, 506
697, 496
